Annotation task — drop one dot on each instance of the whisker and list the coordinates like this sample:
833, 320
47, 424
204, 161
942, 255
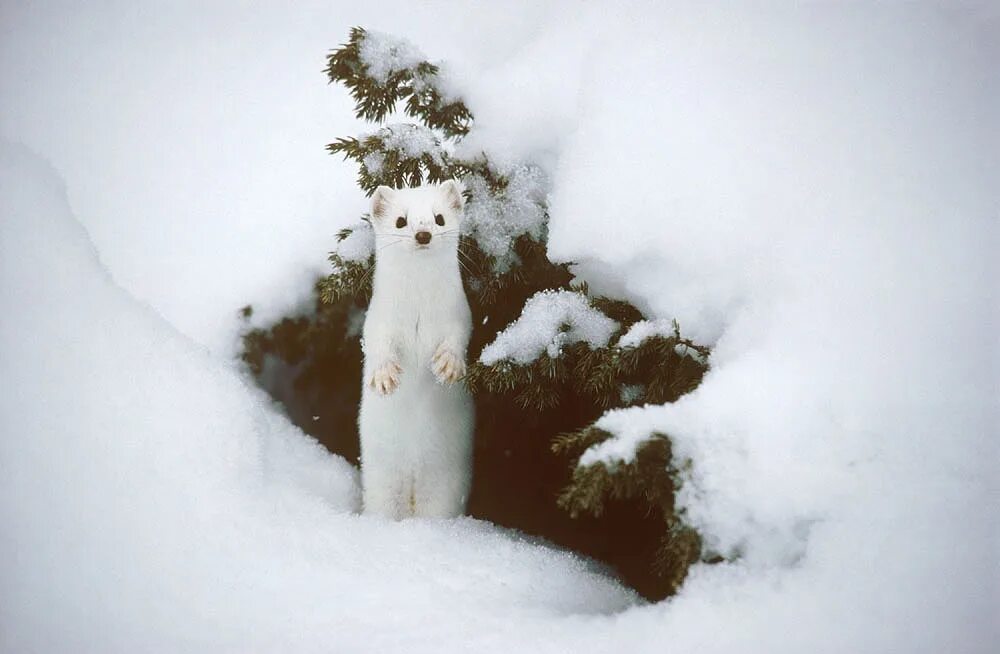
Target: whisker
461, 254
385, 245
464, 267
368, 275
466, 262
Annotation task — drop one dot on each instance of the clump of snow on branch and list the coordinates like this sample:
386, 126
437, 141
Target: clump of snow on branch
373, 162
630, 393
495, 221
644, 329
629, 427
414, 141
358, 245
685, 350
442, 81
550, 320
385, 54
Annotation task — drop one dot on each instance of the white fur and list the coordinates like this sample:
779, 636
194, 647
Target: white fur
416, 417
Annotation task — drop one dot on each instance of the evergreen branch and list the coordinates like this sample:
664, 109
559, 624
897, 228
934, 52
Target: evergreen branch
375, 99
649, 477
350, 280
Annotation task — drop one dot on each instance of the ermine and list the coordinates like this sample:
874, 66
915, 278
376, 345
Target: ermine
416, 420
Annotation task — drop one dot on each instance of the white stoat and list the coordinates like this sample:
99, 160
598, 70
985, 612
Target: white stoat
416, 422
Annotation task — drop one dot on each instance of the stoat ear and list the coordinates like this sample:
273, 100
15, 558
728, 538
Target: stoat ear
381, 199
452, 192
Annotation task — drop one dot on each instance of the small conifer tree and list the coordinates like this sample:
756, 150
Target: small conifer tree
547, 357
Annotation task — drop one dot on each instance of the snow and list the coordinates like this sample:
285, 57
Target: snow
385, 54
497, 221
359, 245
153, 500
808, 188
819, 212
630, 393
644, 329
549, 321
414, 141
374, 161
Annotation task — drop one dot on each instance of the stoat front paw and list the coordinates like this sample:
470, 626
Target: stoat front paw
385, 379
447, 366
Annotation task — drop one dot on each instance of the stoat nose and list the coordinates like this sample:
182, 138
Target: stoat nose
423, 238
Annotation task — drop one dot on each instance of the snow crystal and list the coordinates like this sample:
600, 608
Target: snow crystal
359, 245
550, 320
496, 221
385, 54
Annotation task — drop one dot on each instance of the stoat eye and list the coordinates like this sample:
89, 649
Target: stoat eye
439, 219
400, 222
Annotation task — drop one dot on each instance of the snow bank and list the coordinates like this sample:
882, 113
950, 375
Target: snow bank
152, 500
213, 189
806, 189
549, 321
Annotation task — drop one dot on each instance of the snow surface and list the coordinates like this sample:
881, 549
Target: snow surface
810, 188
549, 321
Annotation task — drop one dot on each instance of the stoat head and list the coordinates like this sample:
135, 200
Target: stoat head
419, 221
